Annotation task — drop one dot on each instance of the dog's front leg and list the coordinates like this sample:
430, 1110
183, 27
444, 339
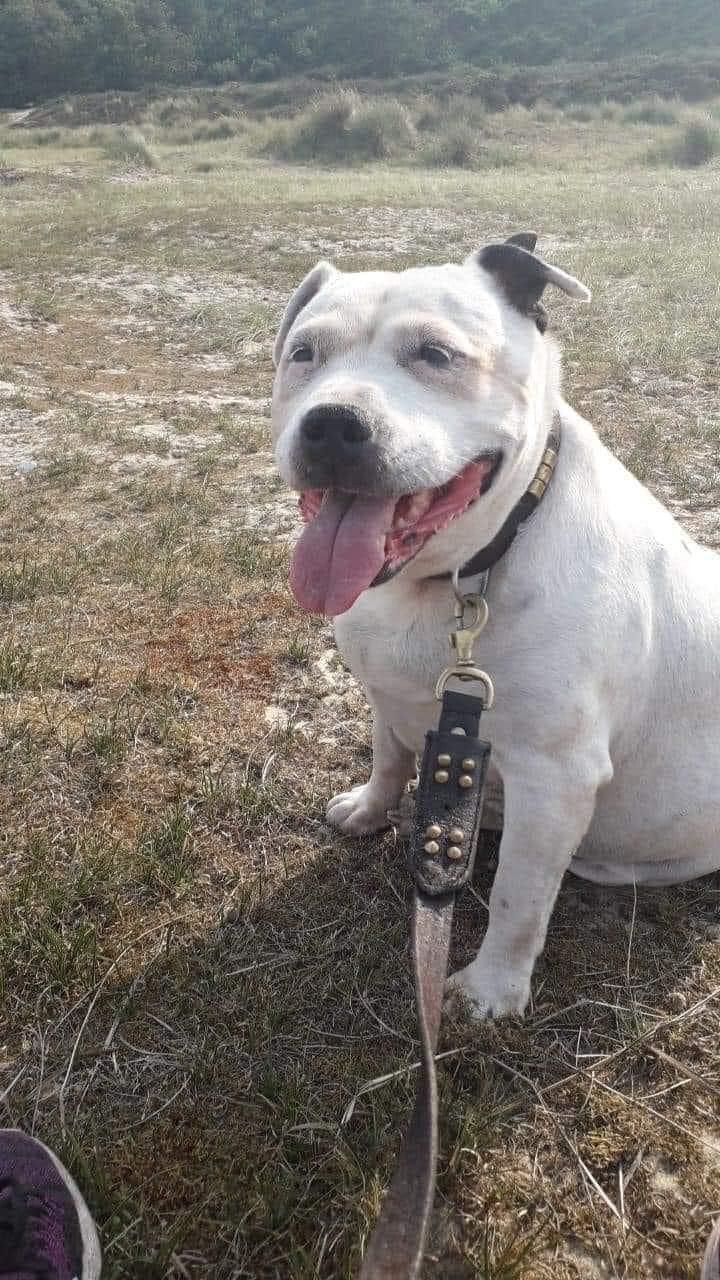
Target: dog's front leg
548, 808
364, 809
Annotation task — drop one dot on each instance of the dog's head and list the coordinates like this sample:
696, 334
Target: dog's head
408, 410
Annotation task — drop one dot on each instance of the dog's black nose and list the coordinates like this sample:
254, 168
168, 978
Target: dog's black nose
335, 429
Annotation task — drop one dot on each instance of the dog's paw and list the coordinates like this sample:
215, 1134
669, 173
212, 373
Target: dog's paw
356, 812
488, 995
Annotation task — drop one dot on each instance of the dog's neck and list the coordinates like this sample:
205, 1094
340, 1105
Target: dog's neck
486, 557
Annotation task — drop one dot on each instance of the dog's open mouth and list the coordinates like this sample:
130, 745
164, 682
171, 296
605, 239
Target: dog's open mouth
353, 539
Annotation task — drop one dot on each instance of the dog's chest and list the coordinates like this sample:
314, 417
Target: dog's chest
397, 652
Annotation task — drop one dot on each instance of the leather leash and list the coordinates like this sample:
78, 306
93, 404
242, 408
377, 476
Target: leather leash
448, 809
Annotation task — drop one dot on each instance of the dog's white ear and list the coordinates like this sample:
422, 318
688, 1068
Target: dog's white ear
312, 284
523, 277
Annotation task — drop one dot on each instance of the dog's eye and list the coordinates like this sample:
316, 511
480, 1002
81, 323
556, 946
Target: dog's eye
433, 354
302, 354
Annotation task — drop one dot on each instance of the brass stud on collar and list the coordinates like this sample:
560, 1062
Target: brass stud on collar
456, 835
454, 853
464, 781
444, 760
469, 764
432, 847
441, 775
433, 832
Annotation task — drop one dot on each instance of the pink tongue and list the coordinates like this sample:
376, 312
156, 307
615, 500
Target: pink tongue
340, 552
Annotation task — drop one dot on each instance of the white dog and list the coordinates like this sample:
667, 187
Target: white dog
411, 411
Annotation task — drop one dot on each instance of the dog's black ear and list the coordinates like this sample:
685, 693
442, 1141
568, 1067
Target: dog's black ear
525, 239
313, 282
523, 278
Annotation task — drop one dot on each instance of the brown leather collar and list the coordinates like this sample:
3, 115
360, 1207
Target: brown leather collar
523, 509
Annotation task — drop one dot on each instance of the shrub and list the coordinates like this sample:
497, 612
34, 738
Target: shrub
428, 115
381, 130
43, 137
216, 130
584, 113
457, 145
545, 112
341, 126
461, 145
653, 112
698, 144
318, 132
170, 110
129, 146
30, 137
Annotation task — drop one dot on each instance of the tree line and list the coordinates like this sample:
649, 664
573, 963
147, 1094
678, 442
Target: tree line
50, 47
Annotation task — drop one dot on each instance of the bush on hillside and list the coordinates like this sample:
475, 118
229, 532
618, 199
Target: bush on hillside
340, 126
698, 144
457, 145
652, 112
218, 130
129, 147
381, 130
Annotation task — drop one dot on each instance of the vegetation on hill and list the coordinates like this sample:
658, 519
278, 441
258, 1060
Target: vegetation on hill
50, 47
534, 32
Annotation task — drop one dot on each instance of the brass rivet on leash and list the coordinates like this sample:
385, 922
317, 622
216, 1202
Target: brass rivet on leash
433, 832
441, 775
456, 835
444, 760
464, 780
432, 847
468, 764
454, 853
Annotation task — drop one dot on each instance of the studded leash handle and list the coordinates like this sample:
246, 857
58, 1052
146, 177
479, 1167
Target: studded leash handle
448, 802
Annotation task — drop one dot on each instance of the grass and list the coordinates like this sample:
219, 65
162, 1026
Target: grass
191, 963
16, 664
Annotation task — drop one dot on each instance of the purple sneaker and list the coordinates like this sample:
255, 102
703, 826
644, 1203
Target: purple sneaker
46, 1232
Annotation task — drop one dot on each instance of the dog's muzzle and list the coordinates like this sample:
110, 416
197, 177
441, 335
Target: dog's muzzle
338, 447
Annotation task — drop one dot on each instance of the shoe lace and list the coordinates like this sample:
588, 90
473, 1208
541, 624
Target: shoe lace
21, 1250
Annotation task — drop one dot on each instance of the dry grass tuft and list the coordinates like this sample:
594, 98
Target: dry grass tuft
343, 128
129, 146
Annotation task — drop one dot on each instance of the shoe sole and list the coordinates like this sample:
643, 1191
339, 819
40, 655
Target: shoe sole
92, 1255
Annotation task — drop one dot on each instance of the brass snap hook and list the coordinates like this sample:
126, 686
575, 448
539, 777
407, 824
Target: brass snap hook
463, 640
